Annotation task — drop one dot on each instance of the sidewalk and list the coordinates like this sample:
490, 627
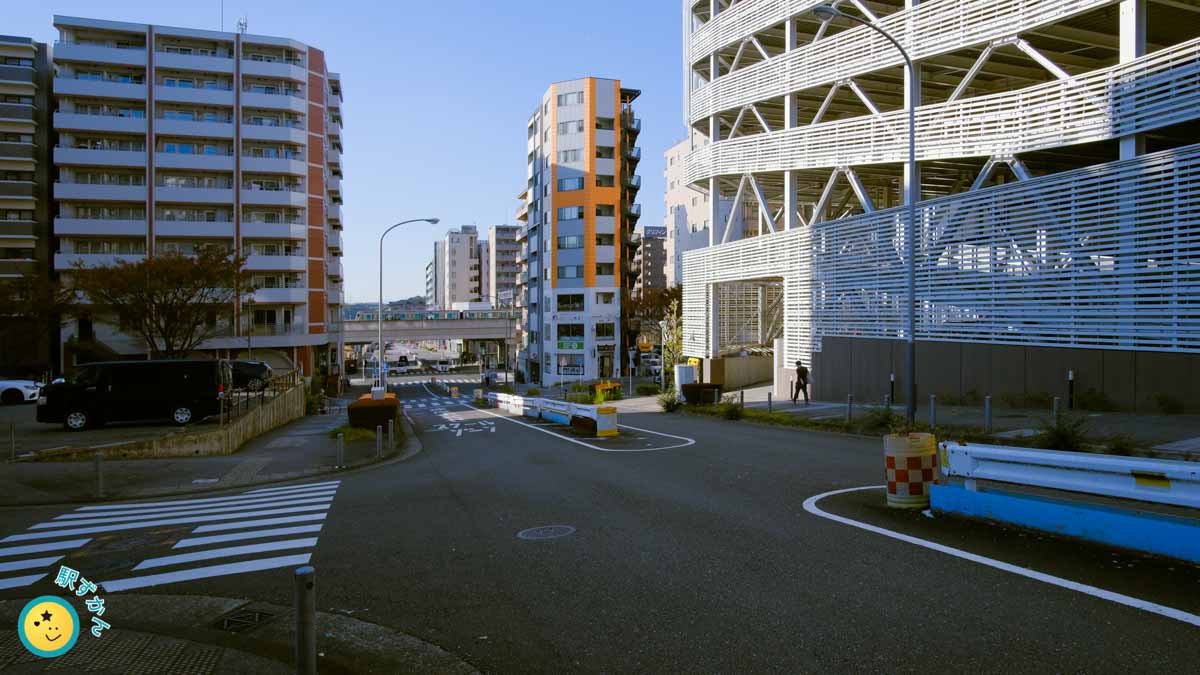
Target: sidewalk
302, 448
197, 635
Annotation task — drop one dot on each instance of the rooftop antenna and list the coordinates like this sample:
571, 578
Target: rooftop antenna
242, 24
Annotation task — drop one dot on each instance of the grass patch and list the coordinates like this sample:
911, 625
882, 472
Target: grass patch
647, 390
669, 401
353, 434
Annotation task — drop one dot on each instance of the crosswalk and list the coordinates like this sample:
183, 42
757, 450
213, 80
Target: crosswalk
432, 403
458, 380
228, 535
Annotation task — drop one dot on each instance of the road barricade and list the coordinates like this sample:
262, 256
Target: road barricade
910, 462
600, 420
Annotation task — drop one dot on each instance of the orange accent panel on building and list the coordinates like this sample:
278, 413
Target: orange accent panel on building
316, 115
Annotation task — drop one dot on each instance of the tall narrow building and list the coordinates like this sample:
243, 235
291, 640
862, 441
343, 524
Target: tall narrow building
502, 265
25, 342
577, 243
173, 138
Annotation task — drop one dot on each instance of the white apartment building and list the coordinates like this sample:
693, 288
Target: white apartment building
172, 138
454, 274
688, 215
1056, 191
502, 268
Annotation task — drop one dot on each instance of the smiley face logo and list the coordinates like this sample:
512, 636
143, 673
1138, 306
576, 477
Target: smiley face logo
48, 626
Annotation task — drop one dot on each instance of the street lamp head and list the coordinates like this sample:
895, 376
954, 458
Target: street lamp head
826, 12
433, 221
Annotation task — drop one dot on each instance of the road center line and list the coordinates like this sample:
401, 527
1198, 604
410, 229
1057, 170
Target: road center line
810, 505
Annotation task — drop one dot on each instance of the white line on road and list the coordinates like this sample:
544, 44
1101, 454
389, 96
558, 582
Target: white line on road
28, 563
17, 582
117, 527
810, 505
194, 502
244, 524
40, 548
290, 488
205, 572
122, 518
241, 536
229, 551
261, 502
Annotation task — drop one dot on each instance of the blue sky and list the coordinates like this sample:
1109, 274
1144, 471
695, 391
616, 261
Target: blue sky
436, 99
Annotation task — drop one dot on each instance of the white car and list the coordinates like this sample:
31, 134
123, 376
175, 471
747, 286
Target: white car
18, 391
442, 366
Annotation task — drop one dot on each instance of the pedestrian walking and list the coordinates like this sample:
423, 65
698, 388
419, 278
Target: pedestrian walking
801, 383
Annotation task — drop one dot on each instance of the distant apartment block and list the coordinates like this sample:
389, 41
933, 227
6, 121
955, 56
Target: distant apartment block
650, 261
577, 244
454, 273
502, 268
173, 138
687, 219
24, 193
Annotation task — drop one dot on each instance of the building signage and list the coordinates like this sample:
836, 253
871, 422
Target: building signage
570, 370
570, 345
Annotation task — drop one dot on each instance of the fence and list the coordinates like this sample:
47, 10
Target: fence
235, 404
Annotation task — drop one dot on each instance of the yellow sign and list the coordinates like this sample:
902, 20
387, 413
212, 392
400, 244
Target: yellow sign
693, 361
645, 346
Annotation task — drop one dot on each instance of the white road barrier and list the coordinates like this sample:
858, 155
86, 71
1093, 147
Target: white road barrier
1144, 479
562, 412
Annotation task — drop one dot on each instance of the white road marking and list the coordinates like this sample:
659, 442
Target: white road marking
28, 563
240, 525
209, 500
205, 572
233, 510
240, 536
293, 488
810, 505
230, 551
260, 502
40, 548
17, 582
117, 527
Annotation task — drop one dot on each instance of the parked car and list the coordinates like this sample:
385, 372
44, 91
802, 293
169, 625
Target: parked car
442, 366
18, 391
251, 375
399, 367
122, 391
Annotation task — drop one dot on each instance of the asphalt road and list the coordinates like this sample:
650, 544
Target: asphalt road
698, 558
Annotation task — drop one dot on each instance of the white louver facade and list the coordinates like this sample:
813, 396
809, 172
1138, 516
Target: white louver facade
1059, 221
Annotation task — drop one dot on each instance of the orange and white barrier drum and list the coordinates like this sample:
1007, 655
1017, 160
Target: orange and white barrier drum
911, 462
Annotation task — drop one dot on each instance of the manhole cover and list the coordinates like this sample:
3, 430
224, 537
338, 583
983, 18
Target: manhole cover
242, 620
546, 532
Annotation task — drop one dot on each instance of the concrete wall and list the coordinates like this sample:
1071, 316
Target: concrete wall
955, 370
738, 371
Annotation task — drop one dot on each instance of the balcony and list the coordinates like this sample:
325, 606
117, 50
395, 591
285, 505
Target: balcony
277, 263
274, 230
193, 128
89, 157
252, 99
193, 195
282, 134
214, 97
71, 51
295, 198
333, 269
278, 69
334, 241
75, 122
66, 261
631, 124
277, 329
334, 183
633, 182
633, 211
282, 296
208, 64
633, 154
222, 229
96, 227
294, 166
69, 86
100, 192
333, 212
23, 189
333, 156
16, 111
179, 160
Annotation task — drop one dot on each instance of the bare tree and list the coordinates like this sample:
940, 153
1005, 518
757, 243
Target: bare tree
173, 302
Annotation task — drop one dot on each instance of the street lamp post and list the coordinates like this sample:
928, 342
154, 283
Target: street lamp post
382, 378
826, 13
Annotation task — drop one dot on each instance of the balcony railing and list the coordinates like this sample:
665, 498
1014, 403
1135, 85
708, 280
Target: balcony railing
634, 153
269, 329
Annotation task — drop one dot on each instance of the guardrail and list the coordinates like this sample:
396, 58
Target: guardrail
603, 418
1143, 479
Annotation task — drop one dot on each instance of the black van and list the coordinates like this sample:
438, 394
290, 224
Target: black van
121, 391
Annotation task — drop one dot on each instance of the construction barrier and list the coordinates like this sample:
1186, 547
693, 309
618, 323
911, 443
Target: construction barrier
599, 419
911, 462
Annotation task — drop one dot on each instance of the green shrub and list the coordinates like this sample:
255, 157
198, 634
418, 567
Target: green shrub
533, 391
647, 390
1167, 404
730, 408
881, 421
1096, 401
314, 397
368, 413
519, 377
1033, 400
353, 434
1120, 444
669, 401
1069, 433
579, 397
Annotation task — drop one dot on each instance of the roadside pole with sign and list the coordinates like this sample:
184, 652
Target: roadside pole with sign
632, 353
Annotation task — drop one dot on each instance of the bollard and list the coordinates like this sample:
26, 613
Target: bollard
12, 439
341, 451
769, 407
99, 461
379, 440
887, 402
849, 408
305, 596
742, 400
391, 434
987, 414
1055, 410
933, 411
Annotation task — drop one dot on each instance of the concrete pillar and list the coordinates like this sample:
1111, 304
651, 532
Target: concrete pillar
783, 383
714, 321
762, 314
1133, 45
790, 117
715, 220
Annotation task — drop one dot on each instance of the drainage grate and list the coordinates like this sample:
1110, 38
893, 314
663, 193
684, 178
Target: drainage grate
242, 620
546, 532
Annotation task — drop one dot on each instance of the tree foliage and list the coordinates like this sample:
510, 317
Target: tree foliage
672, 337
172, 302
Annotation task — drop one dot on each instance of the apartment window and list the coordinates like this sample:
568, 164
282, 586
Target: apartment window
570, 184
16, 138
15, 98
570, 330
606, 123
604, 269
604, 240
605, 330
570, 303
570, 213
570, 127
573, 98
605, 181
569, 364
570, 271
565, 156
605, 152
15, 214
103, 246
605, 210
570, 241
17, 61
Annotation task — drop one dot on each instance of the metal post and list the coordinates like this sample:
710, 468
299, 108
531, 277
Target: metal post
379, 316
1056, 401
305, 600
99, 462
849, 408
379, 440
933, 411
341, 451
1070, 390
769, 406
12, 438
987, 414
391, 434
742, 399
